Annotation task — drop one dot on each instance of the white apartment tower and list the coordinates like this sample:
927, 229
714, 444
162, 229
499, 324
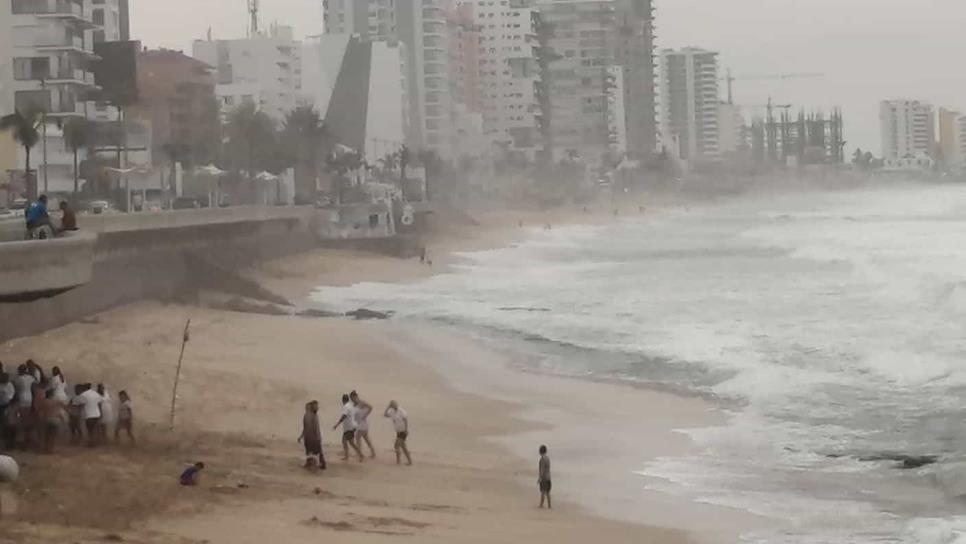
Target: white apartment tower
45, 50
689, 103
908, 129
265, 69
507, 71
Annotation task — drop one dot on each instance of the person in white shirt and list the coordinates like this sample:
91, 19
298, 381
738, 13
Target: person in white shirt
23, 384
400, 422
108, 416
8, 408
348, 422
362, 411
59, 385
91, 413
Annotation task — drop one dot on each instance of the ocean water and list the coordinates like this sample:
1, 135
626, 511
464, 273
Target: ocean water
830, 326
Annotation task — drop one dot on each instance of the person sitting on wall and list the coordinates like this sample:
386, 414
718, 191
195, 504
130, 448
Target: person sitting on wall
38, 221
69, 219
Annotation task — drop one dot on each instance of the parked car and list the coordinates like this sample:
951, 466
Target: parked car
99, 207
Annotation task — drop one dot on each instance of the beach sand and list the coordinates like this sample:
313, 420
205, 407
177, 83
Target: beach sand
476, 423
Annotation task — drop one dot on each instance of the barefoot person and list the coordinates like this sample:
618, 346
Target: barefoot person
312, 437
53, 417
400, 422
363, 409
543, 477
125, 417
348, 422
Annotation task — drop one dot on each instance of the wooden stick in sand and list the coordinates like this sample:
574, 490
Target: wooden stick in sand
177, 374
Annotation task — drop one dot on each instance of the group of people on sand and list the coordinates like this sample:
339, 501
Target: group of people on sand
354, 420
38, 221
37, 409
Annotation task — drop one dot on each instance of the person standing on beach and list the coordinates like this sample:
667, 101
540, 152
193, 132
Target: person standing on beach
125, 417
91, 410
311, 437
362, 410
348, 422
400, 423
543, 477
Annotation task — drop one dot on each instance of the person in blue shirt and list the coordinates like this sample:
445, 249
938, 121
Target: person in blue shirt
192, 474
36, 214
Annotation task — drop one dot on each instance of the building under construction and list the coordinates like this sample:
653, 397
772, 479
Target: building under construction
806, 139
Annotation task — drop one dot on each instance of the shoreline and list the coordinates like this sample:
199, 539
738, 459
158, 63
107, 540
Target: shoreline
245, 380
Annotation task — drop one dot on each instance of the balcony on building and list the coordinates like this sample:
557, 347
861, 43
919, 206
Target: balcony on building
66, 10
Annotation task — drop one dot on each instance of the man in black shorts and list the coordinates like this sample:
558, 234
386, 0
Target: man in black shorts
348, 422
543, 477
400, 423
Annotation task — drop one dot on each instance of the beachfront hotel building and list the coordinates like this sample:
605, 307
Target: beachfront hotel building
47, 47
265, 69
908, 129
689, 103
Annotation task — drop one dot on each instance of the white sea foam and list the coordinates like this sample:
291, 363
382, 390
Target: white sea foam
832, 320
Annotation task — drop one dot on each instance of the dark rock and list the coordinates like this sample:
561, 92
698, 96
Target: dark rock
363, 313
312, 312
903, 461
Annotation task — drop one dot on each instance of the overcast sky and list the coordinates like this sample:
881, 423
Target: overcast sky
868, 50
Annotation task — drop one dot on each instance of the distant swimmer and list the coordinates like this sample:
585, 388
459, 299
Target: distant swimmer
400, 423
543, 477
348, 422
362, 411
311, 437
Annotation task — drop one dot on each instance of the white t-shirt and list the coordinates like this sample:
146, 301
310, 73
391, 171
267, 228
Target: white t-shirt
398, 417
107, 408
7, 393
60, 388
25, 396
91, 403
349, 422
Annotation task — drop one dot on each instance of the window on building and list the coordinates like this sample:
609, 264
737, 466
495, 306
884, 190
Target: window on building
98, 16
31, 100
27, 68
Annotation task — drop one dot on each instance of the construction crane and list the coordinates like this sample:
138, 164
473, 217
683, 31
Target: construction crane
781, 77
253, 12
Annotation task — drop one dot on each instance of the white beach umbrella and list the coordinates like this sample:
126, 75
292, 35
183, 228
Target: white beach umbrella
210, 170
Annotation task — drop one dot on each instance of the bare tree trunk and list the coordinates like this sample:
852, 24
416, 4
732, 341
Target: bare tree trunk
31, 185
76, 185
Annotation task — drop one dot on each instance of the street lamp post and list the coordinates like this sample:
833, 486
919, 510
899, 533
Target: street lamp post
43, 87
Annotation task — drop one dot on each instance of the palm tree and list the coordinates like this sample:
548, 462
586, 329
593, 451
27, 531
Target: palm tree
340, 163
77, 137
304, 135
404, 160
26, 131
430, 160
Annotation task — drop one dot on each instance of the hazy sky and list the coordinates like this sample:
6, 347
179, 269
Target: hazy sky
868, 50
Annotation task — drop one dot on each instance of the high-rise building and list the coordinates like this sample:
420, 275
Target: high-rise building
370, 19
952, 138
635, 56
505, 70
584, 43
47, 47
265, 69
689, 103
112, 16
908, 129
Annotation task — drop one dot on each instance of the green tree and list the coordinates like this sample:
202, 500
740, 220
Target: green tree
252, 141
25, 127
305, 139
77, 134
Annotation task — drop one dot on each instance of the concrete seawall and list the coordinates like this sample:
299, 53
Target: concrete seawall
142, 256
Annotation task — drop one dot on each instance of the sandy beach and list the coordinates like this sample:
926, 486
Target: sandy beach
476, 424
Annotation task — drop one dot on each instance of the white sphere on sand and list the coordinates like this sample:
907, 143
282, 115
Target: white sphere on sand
9, 471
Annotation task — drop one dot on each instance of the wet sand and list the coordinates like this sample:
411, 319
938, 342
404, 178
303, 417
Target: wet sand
476, 423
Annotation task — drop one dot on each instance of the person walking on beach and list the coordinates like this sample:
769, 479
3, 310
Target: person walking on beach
125, 417
543, 477
400, 423
362, 410
311, 437
348, 422
91, 411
